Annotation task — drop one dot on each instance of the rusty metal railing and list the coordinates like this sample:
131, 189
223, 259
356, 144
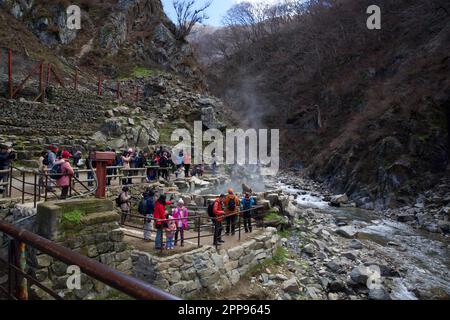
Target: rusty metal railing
38, 186
18, 288
4, 183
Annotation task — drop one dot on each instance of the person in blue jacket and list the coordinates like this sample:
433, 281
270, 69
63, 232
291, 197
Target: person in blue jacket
247, 203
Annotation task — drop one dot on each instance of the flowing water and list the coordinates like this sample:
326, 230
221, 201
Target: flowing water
423, 257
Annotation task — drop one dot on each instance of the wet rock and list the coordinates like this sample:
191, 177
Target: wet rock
338, 200
378, 294
444, 226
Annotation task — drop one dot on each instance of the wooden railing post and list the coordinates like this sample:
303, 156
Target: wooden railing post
35, 191
198, 229
76, 78
41, 82
22, 283
10, 70
100, 86
10, 181
49, 73
239, 225
46, 187
23, 187
11, 261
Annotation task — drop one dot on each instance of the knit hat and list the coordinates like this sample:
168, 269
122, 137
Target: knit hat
181, 202
66, 154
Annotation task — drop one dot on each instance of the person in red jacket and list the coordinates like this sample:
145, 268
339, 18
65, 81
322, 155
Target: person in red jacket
159, 214
218, 214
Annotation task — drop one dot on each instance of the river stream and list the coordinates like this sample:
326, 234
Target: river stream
423, 257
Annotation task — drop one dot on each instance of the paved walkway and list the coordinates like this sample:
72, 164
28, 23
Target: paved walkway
230, 241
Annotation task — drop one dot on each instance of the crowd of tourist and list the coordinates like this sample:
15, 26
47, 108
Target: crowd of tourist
160, 218
59, 164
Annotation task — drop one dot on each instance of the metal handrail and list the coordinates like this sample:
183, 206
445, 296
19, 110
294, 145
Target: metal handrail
196, 218
133, 287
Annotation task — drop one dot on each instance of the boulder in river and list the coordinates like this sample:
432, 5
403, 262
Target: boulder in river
379, 294
338, 200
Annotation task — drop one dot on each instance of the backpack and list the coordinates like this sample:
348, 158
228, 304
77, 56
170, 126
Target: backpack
142, 209
119, 200
56, 171
211, 209
247, 204
46, 160
231, 204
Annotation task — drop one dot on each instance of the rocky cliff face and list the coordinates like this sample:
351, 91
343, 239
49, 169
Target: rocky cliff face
112, 34
365, 112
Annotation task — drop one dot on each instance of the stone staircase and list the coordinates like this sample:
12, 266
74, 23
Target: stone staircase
69, 118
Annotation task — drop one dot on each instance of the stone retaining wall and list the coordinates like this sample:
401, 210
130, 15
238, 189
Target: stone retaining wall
205, 268
96, 235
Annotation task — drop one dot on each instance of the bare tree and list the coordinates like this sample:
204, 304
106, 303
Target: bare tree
188, 16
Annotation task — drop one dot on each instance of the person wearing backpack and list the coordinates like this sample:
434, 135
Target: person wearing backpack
218, 213
164, 166
49, 160
181, 213
159, 216
247, 203
42, 168
76, 158
63, 171
123, 201
231, 210
90, 165
146, 208
186, 163
7, 155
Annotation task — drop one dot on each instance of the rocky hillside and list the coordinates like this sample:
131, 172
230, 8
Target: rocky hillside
128, 41
81, 120
366, 112
113, 33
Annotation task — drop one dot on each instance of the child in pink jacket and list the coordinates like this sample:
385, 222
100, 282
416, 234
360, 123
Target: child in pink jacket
170, 233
